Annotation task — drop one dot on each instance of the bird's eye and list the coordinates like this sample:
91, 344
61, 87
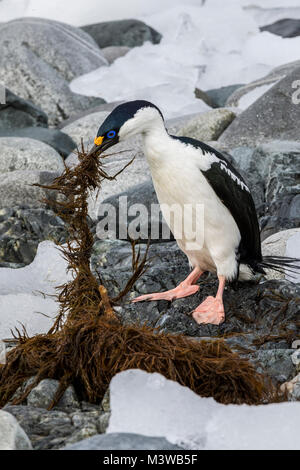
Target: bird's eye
111, 134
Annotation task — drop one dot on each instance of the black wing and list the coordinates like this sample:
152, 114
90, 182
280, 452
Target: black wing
233, 191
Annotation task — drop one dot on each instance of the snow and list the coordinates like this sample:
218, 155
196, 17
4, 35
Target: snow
22, 299
198, 49
151, 405
293, 250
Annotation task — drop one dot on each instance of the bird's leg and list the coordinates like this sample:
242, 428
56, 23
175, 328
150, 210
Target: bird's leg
185, 288
211, 310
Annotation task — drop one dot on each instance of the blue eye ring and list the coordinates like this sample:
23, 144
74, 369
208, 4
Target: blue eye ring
111, 134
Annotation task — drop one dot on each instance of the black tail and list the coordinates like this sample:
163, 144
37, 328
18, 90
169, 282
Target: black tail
281, 264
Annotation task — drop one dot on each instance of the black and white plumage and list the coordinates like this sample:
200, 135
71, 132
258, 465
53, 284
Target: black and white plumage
189, 173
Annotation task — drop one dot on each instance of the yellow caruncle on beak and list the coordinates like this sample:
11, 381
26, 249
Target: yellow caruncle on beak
98, 140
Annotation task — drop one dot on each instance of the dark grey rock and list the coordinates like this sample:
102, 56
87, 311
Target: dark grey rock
56, 428
130, 33
219, 96
153, 227
286, 28
39, 57
58, 140
19, 113
276, 362
123, 441
272, 116
21, 230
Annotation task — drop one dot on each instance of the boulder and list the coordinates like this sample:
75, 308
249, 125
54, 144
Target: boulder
130, 33
26, 154
38, 58
61, 142
208, 125
245, 95
219, 96
271, 171
22, 229
286, 28
85, 128
16, 188
123, 441
43, 394
19, 113
133, 214
273, 116
12, 436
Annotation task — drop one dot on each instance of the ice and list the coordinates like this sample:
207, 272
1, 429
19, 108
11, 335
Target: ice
151, 405
22, 292
198, 49
292, 250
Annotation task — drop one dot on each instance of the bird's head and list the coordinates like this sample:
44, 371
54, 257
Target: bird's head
126, 120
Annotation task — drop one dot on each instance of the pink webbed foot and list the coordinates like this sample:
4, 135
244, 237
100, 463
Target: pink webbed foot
211, 310
178, 293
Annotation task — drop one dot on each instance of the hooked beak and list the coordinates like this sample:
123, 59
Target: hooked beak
97, 148
100, 146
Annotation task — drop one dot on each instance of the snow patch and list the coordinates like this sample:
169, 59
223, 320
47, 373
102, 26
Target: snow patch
22, 292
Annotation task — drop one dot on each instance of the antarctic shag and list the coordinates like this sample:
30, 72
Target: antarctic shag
189, 173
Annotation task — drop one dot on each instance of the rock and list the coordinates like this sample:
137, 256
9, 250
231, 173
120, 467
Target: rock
111, 53
130, 33
43, 394
277, 363
39, 57
18, 153
19, 113
272, 116
104, 107
245, 160
55, 429
219, 96
12, 436
85, 128
133, 214
208, 125
16, 188
202, 95
104, 422
286, 28
240, 95
22, 229
123, 441
61, 142
276, 245
296, 358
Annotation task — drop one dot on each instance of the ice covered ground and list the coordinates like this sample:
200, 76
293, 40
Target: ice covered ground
22, 299
151, 405
205, 46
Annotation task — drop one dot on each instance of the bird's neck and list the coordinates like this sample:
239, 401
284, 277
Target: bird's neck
155, 139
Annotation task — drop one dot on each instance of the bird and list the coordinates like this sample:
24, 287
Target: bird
190, 174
